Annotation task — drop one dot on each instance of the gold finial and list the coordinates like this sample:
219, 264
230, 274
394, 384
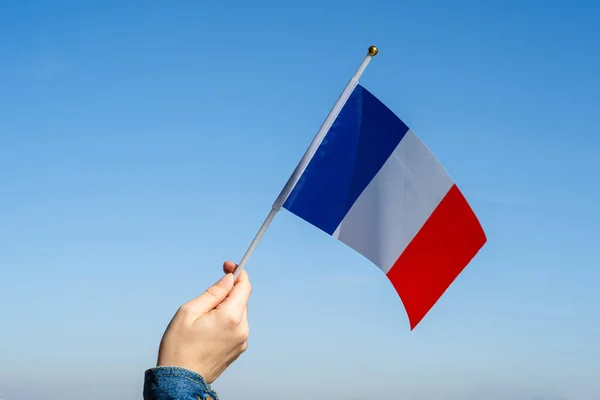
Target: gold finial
373, 50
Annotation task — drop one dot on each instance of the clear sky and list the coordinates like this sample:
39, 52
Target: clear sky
142, 143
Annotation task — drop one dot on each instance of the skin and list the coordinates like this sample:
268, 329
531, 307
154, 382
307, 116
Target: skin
210, 332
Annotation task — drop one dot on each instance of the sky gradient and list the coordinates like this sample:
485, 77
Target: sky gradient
143, 143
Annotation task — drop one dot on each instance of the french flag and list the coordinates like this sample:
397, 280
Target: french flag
372, 184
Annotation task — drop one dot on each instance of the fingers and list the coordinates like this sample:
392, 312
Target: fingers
229, 267
237, 301
210, 299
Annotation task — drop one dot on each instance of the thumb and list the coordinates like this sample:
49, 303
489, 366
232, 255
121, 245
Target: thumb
212, 297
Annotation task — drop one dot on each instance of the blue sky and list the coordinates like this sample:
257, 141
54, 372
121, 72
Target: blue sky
143, 143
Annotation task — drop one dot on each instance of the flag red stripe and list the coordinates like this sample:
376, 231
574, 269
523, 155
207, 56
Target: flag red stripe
442, 248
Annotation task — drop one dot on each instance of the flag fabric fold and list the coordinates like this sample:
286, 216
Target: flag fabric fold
373, 185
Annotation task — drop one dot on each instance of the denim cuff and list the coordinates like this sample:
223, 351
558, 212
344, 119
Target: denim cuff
175, 383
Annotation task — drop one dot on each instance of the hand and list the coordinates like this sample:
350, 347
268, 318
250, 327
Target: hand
209, 332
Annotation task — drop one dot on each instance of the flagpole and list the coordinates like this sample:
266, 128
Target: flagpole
314, 145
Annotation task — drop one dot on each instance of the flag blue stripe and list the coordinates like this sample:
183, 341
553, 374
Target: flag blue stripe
359, 142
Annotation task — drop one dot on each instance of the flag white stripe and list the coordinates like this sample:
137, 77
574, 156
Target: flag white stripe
396, 204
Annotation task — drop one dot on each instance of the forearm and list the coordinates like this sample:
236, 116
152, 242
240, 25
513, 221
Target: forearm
174, 383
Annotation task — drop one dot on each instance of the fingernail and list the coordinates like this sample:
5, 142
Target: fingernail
226, 281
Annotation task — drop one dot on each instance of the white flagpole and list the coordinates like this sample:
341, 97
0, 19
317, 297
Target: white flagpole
310, 152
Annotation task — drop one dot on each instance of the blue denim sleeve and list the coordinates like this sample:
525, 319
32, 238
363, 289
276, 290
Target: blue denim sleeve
174, 383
